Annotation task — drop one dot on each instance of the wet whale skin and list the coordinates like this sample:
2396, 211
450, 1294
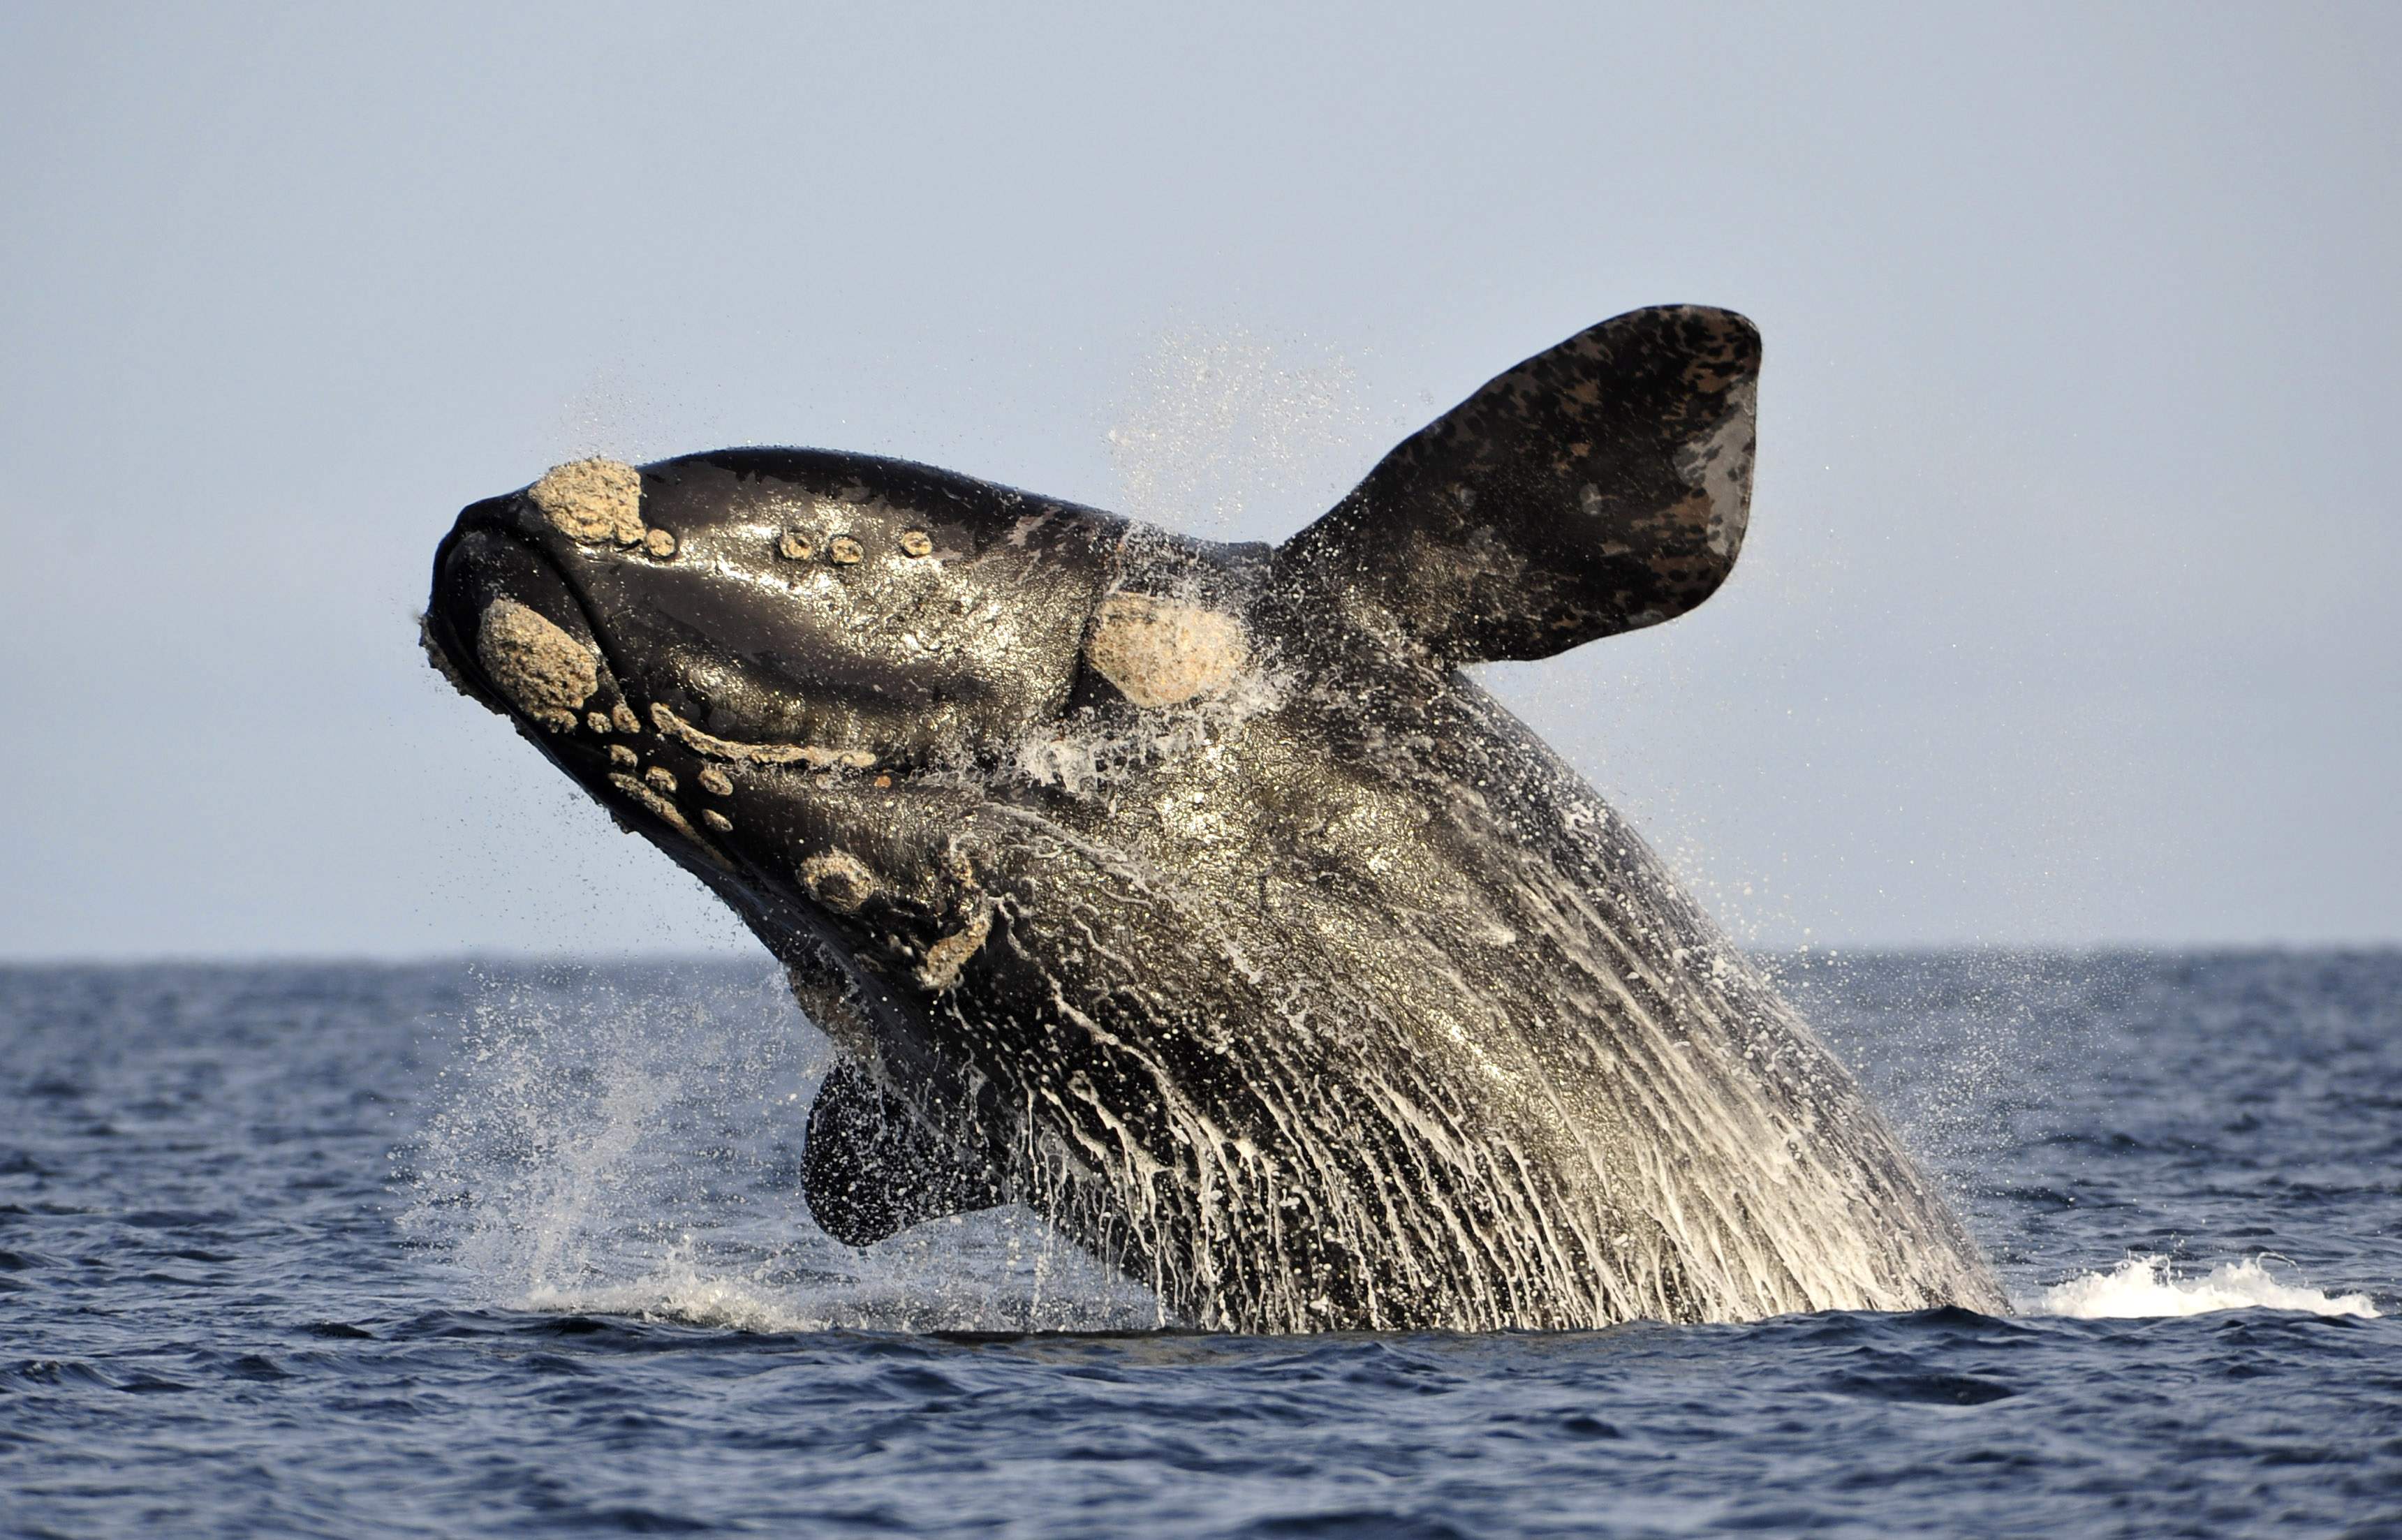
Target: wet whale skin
1191, 894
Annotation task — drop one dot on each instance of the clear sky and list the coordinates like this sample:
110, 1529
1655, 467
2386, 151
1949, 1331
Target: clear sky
2069, 612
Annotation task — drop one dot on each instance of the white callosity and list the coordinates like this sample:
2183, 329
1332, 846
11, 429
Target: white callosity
669, 814
946, 957
839, 880
547, 673
809, 754
594, 500
1160, 652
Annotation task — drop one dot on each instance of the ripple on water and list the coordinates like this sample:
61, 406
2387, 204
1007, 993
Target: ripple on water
608, 1309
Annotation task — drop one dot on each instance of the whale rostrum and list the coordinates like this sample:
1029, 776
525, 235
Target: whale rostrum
1191, 895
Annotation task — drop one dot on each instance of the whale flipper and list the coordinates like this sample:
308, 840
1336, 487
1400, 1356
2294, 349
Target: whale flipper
870, 1168
1598, 487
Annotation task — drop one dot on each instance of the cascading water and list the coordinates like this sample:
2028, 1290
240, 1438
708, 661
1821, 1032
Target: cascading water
627, 1141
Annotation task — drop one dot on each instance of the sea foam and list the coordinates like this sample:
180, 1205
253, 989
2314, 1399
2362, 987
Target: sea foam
679, 1293
2148, 1283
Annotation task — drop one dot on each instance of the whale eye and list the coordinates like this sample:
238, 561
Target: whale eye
845, 550
796, 546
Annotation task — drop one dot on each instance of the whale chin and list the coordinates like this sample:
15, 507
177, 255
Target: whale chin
504, 627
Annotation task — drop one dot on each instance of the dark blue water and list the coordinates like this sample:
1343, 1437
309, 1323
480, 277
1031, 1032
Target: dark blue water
355, 1251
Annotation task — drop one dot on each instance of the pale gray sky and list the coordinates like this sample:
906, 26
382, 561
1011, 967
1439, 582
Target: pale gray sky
2069, 613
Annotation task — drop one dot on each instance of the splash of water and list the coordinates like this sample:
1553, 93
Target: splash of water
630, 1144
1228, 437
2148, 1284
1956, 1053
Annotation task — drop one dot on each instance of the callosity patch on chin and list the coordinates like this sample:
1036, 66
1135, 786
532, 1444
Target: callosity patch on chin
545, 673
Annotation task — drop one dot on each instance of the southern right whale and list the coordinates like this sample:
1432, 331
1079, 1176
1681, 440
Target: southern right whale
1191, 894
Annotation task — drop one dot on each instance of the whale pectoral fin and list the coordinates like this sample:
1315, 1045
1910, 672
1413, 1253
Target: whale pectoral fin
871, 1167
1598, 487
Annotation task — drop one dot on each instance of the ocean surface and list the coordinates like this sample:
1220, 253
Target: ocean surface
454, 1250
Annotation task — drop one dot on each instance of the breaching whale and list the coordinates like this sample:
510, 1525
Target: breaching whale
1190, 894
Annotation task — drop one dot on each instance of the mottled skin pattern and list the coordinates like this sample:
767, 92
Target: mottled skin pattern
1327, 998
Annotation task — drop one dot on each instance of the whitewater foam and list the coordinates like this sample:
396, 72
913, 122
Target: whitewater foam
678, 1292
2147, 1285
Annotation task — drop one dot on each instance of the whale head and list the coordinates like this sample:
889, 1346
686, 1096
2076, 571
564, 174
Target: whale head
787, 669
859, 612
